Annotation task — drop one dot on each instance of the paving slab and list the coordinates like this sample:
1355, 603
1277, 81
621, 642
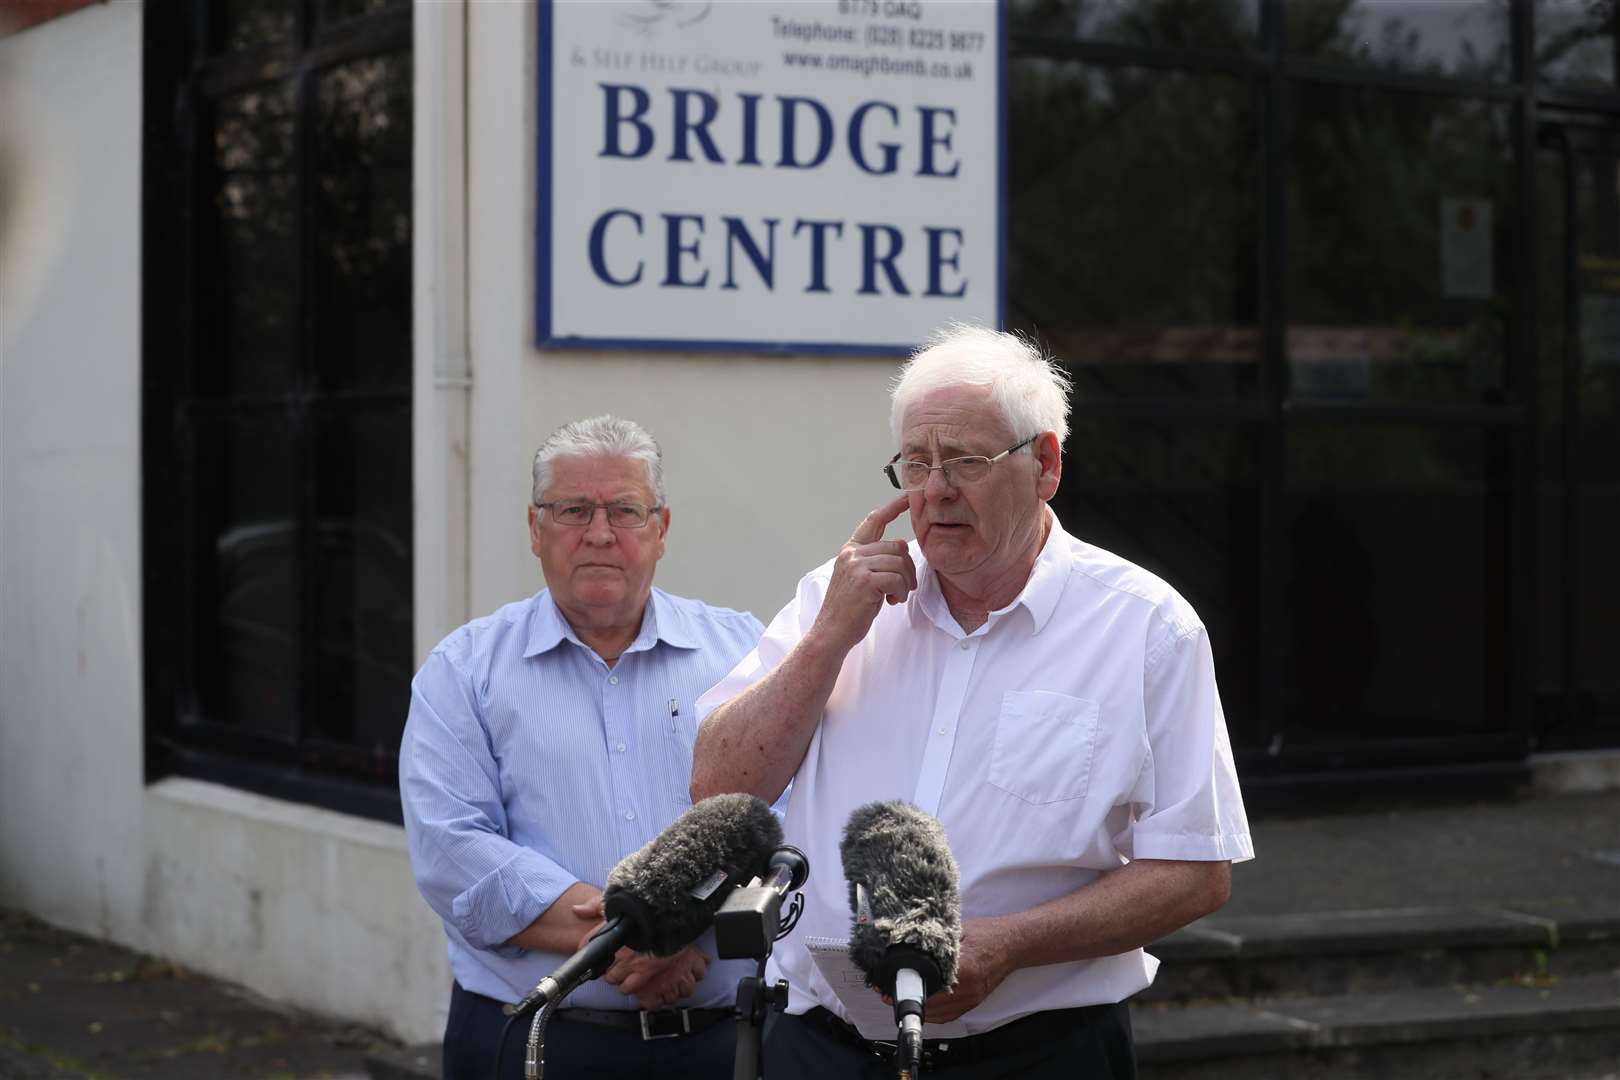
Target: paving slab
1523, 854
71, 1006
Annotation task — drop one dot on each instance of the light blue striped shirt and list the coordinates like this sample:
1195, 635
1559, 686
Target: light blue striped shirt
528, 764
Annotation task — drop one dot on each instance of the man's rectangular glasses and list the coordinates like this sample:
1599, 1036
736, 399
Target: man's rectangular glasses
913, 475
577, 515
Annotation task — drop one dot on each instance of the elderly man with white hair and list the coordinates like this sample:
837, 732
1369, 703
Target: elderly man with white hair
547, 741
1053, 705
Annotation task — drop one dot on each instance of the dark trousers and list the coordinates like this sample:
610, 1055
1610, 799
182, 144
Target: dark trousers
797, 1048
575, 1050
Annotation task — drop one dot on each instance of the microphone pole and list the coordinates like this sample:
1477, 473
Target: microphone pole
590, 962
747, 925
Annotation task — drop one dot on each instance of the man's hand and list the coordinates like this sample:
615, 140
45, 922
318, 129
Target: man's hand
657, 982
589, 914
981, 966
869, 570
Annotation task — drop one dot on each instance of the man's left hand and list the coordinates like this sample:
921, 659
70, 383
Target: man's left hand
980, 967
657, 982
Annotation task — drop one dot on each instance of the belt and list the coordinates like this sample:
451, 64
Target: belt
653, 1024
1011, 1038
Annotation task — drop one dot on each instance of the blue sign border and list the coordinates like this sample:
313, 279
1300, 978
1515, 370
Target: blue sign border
545, 339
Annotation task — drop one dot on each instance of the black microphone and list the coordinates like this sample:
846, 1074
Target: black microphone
590, 962
750, 920
660, 898
904, 889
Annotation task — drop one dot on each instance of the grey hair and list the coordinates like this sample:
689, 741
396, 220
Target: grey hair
1030, 388
600, 436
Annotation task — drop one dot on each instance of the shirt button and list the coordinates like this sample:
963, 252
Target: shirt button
614, 679
966, 644
619, 747
629, 815
942, 731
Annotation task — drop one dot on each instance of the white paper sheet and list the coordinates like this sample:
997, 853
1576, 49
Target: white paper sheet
872, 1018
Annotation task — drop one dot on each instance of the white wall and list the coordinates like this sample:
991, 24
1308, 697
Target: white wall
303, 905
70, 572
770, 462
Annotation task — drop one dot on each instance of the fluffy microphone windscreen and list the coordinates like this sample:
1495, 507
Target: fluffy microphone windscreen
899, 855
667, 892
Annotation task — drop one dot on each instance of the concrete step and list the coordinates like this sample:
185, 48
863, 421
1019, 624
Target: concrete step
1343, 952
1548, 1028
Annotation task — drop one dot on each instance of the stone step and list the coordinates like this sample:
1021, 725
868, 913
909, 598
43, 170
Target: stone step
1386, 949
1539, 1029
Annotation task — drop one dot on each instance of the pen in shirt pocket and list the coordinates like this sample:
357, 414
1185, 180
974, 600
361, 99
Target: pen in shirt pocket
674, 708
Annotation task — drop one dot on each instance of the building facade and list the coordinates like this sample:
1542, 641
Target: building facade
1338, 282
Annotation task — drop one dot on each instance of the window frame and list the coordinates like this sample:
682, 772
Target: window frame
183, 76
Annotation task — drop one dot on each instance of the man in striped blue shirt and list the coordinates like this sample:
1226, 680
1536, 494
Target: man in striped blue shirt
547, 741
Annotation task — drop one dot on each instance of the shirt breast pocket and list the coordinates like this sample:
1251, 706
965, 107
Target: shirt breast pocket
1044, 746
678, 740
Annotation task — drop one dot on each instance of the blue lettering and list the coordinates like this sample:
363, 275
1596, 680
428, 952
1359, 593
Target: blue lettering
818, 250
930, 139
685, 126
871, 260
674, 249
598, 238
750, 130
891, 151
824, 135
613, 119
764, 264
937, 259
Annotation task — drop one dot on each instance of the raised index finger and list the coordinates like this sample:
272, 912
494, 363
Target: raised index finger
871, 527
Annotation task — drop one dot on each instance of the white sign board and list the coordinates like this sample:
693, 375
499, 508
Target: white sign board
783, 177
1465, 249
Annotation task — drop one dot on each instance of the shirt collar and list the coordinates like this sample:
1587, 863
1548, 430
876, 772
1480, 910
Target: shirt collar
1039, 595
661, 621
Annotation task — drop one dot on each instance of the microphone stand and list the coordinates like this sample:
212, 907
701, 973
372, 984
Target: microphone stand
534, 1061
755, 999
748, 924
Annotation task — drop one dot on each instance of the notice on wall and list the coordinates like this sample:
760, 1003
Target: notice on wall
1465, 249
780, 177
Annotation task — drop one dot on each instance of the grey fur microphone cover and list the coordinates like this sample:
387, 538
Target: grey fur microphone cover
900, 856
656, 889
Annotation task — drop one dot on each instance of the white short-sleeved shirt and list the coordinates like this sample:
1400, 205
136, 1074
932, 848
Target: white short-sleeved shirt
1077, 729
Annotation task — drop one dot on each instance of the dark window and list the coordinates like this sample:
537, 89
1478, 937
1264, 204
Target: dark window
1169, 24
1576, 43
1336, 281
1464, 39
1399, 227
1578, 451
1394, 584
277, 403
1113, 169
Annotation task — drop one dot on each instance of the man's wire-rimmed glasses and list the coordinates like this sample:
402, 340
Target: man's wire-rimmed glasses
620, 515
913, 475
